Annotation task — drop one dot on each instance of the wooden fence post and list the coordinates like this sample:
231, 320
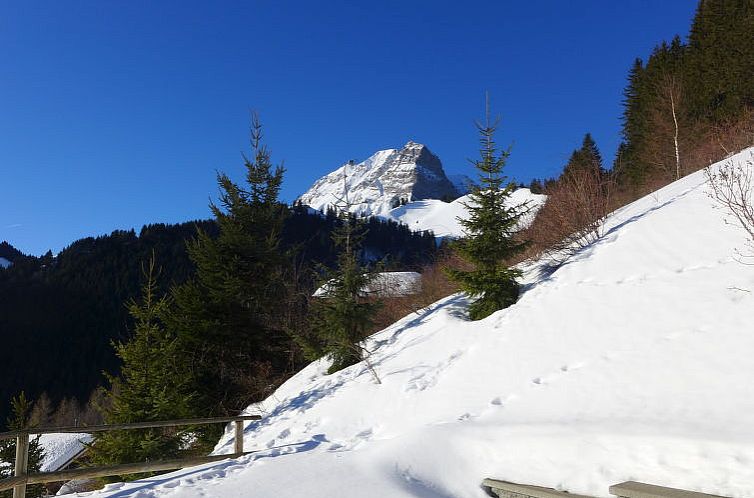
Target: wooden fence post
22, 463
19, 482
239, 436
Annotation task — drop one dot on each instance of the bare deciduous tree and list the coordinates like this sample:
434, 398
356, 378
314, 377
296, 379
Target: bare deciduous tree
664, 150
574, 215
730, 185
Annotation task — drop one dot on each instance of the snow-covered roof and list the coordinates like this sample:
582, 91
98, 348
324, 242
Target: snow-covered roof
386, 284
59, 449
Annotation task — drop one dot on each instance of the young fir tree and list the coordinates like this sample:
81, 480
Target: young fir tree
149, 388
343, 316
488, 241
21, 419
229, 316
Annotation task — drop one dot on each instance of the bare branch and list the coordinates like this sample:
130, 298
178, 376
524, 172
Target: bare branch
731, 187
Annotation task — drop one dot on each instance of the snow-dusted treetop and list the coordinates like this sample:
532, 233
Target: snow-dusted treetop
380, 183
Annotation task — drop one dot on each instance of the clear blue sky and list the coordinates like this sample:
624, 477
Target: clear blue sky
116, 114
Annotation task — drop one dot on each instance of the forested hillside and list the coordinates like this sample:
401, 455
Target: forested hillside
58, 315
690, 103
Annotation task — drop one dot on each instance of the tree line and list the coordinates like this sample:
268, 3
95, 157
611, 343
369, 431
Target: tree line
60, 314
689, 104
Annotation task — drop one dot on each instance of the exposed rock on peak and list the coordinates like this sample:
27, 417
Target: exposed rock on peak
385, 180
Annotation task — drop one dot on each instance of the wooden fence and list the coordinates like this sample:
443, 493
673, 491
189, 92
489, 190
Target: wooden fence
21, 478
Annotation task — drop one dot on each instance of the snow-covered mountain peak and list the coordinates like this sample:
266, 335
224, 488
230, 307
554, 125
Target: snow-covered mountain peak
383, 181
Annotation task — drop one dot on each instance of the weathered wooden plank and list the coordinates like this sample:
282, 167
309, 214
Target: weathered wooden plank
113, 470
633, 489
239, 436
136, 425
22, 464
505, 489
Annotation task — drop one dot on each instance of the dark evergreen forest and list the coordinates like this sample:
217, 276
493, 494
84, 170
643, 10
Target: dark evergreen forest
59, 315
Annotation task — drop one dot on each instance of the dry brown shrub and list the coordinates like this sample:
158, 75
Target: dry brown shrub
713, 143
435, 285
573, 215
734, 135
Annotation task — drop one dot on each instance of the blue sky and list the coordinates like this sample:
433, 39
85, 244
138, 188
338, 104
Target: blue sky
116, 114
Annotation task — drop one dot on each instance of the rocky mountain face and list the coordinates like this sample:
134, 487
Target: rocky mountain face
385, 180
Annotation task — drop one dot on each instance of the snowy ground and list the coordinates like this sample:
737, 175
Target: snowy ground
633, 361
4, 263
442, 217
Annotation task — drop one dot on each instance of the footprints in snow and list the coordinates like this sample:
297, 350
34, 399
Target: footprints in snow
641, 278
430, 374
542, 381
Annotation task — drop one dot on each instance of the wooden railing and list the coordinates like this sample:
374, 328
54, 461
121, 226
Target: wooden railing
629, 489
21, 478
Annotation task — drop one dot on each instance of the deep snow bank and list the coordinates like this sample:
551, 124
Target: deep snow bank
633, 361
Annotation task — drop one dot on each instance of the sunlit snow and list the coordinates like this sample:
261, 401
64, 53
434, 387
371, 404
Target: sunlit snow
631, 362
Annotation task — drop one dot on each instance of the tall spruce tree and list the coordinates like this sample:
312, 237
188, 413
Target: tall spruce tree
343, 316
150, 386
228, 316
20, 420
489, 242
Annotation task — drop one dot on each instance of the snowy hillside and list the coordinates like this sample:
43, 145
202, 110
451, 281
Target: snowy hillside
376, 185
4, 263
442, 217
633, 361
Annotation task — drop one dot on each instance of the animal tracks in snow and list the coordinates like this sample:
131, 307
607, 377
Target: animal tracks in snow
536, 382
430, 374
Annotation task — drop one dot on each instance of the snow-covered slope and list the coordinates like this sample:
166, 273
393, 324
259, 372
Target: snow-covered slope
442, 217
4, 263
633, 361
376, 185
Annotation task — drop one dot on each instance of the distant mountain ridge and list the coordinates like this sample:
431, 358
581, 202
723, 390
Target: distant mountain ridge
385, 180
